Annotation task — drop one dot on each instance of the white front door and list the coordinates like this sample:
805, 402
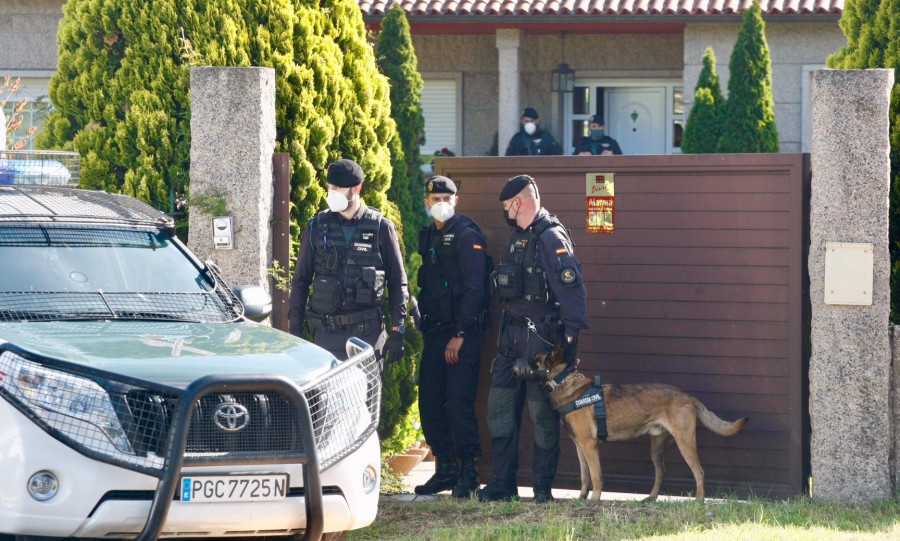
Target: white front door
636, 119
644, 119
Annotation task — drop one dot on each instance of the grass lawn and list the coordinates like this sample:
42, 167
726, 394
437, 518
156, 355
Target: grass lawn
796, 520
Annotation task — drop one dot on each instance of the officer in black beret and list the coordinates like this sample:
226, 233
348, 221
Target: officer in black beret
453, 301
531, 140
349, 254
597, 142
539, 279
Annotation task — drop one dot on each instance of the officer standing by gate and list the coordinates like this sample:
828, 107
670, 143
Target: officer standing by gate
453, 304
348, 254
540, 281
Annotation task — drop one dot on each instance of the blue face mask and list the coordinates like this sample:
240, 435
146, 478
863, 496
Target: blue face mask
596, 134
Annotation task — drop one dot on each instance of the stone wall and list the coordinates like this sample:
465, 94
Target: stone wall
232, 143
28, 35
895, 408
852, 437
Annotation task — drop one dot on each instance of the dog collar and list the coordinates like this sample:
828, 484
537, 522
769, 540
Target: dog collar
552, 384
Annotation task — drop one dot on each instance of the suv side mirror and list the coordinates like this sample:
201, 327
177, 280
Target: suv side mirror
257, 302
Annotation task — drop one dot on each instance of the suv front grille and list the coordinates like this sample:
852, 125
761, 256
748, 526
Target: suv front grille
234, 423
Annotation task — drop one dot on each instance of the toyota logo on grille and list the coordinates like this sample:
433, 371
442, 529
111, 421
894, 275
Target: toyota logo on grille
231, 417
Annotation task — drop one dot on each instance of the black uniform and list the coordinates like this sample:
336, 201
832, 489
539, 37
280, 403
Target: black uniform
541, 143
540, 280
597, 146
452, 301
348, 263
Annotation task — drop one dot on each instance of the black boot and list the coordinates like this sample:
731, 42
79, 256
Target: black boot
468, 479
498, 491
542, 493
445, 476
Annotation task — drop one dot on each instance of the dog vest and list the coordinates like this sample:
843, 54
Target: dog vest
594, 395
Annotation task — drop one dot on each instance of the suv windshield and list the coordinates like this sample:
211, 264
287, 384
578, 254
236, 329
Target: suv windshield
82, 272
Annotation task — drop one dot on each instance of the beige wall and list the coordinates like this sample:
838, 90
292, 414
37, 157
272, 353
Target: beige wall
28, 49
795, 49
473, 61
28, 36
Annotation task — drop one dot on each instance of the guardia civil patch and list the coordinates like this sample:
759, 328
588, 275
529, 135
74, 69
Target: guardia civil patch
567, 276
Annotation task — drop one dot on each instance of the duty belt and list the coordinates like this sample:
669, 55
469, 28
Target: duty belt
337, 321
430, 325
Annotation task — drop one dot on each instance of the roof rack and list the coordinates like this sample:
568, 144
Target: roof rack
63, 204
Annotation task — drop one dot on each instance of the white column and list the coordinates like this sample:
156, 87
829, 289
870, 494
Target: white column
508, 109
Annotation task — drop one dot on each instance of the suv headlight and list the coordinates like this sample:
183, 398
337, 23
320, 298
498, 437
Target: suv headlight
75, 406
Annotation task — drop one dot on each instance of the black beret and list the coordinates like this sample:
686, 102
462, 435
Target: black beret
514, 186
345, 173
530, 112
439, 184
596, 119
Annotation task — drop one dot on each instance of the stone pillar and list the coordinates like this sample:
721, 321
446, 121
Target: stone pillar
849, 372
509, 112
232, 142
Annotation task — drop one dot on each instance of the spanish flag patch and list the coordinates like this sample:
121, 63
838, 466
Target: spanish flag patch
477, 247
560, 251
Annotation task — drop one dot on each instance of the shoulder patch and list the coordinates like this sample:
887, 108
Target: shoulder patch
561, 251
477, 247
567, 275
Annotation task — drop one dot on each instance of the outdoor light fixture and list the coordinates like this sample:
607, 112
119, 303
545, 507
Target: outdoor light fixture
563, 77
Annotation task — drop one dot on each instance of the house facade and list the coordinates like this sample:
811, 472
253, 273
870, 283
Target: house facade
635, 62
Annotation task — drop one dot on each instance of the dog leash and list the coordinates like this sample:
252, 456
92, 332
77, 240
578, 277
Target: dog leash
552, 383
533, 328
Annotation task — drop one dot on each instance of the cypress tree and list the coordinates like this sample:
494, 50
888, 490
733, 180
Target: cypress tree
121, 95
121, 92
748, 117
872, 28
703, 129
396, 58
701, 134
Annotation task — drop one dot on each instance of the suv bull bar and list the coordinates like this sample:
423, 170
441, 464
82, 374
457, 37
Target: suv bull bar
308, 457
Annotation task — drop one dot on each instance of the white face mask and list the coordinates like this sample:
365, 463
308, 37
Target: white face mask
442, 211
337, 201
530, 128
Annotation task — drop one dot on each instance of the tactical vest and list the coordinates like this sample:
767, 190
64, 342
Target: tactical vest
440, 277
520, 278
349, 275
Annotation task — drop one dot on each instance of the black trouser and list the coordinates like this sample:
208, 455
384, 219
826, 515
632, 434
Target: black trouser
447, 395
334, 339
506, 403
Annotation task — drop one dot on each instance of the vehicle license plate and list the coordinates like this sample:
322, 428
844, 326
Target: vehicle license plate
234, 488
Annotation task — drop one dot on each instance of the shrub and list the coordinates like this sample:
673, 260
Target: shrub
873, 41
748, 117
703, 129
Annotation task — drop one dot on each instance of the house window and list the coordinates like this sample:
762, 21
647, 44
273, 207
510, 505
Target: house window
439, 107
35, 111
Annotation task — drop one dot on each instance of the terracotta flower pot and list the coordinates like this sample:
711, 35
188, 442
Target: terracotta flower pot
418, 451
403, 464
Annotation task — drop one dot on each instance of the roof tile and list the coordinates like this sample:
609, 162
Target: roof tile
600, 7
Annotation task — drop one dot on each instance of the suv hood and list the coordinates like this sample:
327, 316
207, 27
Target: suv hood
171, 353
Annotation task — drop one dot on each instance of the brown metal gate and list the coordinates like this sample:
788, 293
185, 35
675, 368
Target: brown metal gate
702, 286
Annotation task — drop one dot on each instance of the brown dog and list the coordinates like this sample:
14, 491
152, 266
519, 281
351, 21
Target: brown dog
660, 410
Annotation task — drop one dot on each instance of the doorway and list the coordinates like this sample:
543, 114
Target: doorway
644, 118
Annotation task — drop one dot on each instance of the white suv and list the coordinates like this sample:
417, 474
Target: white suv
138, 400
